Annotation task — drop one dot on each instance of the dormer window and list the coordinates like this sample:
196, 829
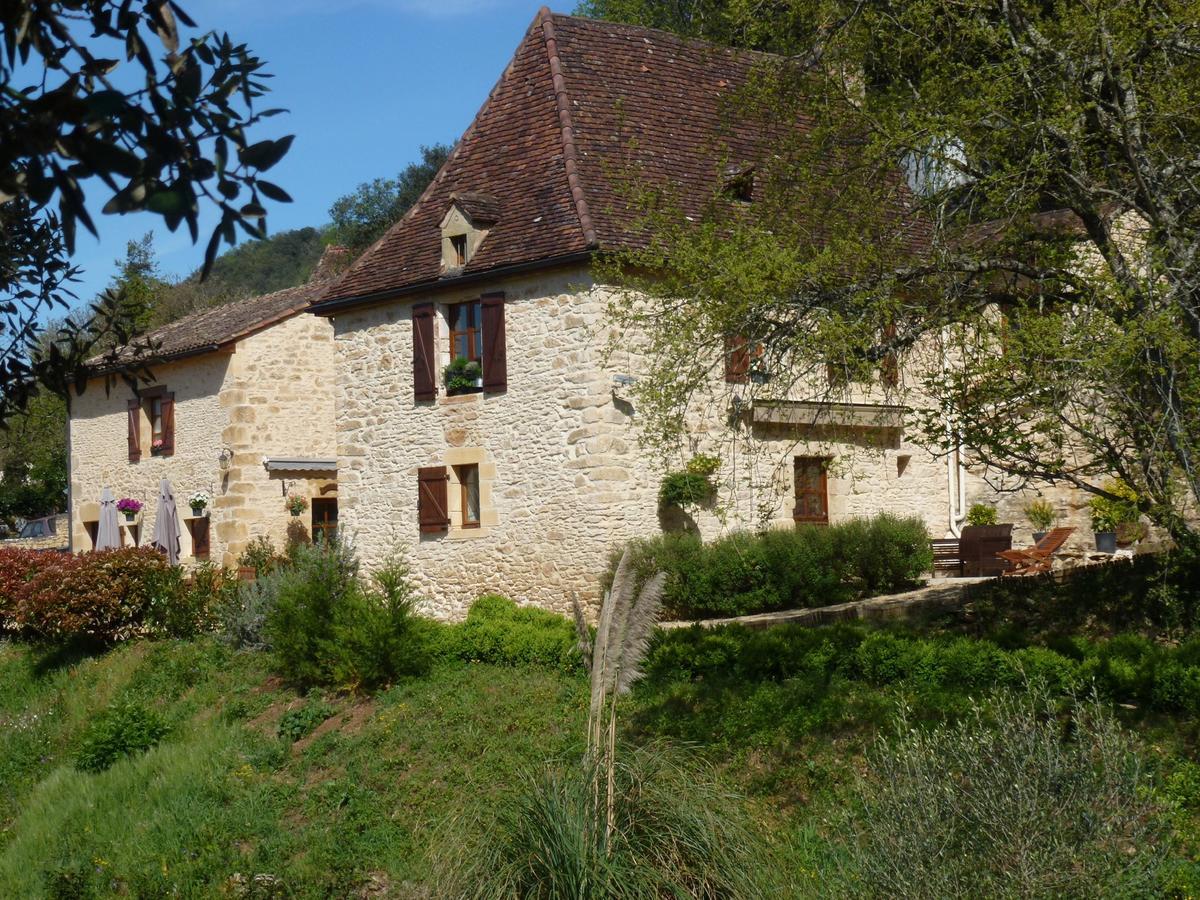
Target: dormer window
738, 183
464, 227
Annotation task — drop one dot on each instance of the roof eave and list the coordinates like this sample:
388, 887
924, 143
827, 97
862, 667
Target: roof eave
159, 358
332, 307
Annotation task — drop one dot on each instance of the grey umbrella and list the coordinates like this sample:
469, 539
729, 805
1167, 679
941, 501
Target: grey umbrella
166, 523
108, 531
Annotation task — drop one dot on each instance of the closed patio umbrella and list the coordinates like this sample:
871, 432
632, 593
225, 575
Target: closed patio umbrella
108, 531
166, 523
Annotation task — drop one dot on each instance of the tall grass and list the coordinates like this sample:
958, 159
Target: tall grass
676, 833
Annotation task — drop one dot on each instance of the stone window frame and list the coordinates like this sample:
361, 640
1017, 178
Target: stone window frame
455, 458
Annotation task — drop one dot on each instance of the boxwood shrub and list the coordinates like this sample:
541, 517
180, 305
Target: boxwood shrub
807, 566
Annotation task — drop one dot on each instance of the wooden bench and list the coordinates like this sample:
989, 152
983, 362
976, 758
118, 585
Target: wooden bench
946, 559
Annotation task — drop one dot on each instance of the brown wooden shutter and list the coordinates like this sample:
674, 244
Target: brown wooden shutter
737, 359
495, 356
424, 375
431, 499
200, 544
168, 425
134, 429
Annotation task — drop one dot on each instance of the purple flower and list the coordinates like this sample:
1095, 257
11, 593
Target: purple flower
129, 505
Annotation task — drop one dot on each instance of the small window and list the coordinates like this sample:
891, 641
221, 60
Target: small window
812, 491
468, 480
324, 520
466, 337
156, 422
458, 246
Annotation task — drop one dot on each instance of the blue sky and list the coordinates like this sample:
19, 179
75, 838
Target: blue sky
366, 83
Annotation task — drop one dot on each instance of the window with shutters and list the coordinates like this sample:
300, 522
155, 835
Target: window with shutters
466, 335
151, 423
743, 360
812, 491
468, 484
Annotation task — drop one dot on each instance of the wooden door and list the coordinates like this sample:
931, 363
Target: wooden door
812, 491
324, 519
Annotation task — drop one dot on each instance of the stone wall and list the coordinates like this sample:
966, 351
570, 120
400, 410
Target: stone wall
272, 396
559, 455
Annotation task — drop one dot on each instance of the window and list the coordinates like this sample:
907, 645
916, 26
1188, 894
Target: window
324, 519
153, 416
468, 480
156, 423
812, 493
458, 247
466, 337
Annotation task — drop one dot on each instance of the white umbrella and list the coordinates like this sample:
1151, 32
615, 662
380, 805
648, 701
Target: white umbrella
108, 531
166, 523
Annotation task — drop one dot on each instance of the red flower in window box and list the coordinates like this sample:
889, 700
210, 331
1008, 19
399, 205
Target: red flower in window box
156, 445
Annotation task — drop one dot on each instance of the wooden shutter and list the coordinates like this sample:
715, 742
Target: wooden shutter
495, 357
134, 429
424, 373
168, 425
199, 531
737, 359
812, 491
432, 508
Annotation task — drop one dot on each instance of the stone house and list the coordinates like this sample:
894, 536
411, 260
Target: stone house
524, 480
239, 406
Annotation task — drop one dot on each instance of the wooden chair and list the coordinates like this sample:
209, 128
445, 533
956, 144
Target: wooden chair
1037, 558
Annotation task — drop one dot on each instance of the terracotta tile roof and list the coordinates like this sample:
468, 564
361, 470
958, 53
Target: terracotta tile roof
209, 329
581, 104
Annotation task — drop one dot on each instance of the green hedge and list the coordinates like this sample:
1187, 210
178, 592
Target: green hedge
498, 631
807, 566
1127, 668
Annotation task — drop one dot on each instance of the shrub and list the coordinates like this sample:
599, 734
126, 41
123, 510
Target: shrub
677, 834
260, 556
111, 595
377, 638
982, 514
194, 606
124, 729
1109, 514
327, 627
1040, 514
1010, 802
498, 631
17, 569
806, 566
243, 614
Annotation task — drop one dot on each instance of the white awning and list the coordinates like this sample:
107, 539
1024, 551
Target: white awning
298, 464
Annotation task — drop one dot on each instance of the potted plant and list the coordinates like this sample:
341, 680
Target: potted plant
199, 503
1040, 514
463, 376
981, 514
129, 507
296, 504
1113, 513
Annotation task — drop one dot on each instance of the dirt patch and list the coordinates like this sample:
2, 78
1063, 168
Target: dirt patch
350, 720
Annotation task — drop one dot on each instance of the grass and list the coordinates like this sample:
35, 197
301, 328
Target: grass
362, 803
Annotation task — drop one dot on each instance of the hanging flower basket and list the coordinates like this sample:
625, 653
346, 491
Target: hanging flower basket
296, 504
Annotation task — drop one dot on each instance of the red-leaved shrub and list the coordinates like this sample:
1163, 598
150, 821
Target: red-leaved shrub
111, 595
17, 567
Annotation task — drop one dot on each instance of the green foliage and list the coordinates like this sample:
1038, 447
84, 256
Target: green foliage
260, 555
1110, 513
982, 514
499, 632
124, 729
33, 461
675, 836
326, 627
1040, 514
301, 721
460, 375
1011, 802
361, 217
807, 566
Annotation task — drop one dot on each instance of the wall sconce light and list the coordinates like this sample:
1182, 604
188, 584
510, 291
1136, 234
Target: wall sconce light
224, 458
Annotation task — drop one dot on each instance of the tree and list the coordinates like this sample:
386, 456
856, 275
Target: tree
1038, 263
359, 218
85, 106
